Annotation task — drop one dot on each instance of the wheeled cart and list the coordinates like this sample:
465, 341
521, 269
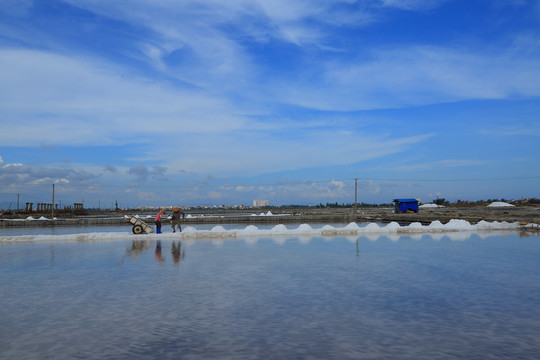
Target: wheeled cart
139, 226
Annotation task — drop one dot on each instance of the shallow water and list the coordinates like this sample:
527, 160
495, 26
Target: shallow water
340, 298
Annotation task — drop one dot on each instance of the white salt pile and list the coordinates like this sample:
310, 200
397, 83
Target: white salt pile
500, 204
350, 230
430, 206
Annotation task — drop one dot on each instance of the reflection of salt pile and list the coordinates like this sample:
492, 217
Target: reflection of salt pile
351, 230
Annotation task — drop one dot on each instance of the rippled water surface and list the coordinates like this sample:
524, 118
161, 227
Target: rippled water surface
273, 298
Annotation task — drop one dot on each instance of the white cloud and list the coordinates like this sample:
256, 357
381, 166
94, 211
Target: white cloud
16, 7
234, 155
440, 164
214, 195
142, 195
71, 101
532, 129
305, 191
10, 167
420, 75
413, 5
75, 101
173, 20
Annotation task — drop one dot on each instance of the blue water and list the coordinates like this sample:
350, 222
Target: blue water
331, 298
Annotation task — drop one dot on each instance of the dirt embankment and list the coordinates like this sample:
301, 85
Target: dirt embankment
472, 215
523, 215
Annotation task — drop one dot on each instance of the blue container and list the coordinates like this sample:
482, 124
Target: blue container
403, 205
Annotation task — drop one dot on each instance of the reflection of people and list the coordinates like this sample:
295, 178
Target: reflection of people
137, 247
177, 253
157, 221
176, 219
159, 258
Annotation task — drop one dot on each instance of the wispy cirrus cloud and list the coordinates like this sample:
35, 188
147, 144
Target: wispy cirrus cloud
79, 98
412, 76
438, 165
513, 130
413, 5
210, 89
91, 105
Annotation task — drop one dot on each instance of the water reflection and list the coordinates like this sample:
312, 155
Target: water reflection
177, 253
138, 247
416, 298
52, 255
159, 256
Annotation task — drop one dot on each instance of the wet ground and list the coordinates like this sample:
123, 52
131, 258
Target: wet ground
404, 297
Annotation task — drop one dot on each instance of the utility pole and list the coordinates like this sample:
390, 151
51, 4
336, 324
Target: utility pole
355, 194
52, 205
18, 201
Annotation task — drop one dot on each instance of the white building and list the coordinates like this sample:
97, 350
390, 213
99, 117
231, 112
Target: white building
260, 203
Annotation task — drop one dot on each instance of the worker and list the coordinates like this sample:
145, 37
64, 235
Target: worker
157, 221
176, 219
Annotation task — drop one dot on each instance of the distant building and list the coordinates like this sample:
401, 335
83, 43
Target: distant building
404, 205
260, 203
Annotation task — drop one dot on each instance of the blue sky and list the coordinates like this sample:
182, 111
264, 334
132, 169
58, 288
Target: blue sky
224, 102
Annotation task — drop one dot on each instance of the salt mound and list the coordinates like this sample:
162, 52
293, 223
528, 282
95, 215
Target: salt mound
279, 229
328, 227
269, 213
393, 226
304, 228
430, 206
218, 228
251, 228
372, 227
459, 225
351, 226
500, 204
372, 231
415, 225
436, 225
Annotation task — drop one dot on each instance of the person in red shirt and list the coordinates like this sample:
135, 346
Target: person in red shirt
157, 221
